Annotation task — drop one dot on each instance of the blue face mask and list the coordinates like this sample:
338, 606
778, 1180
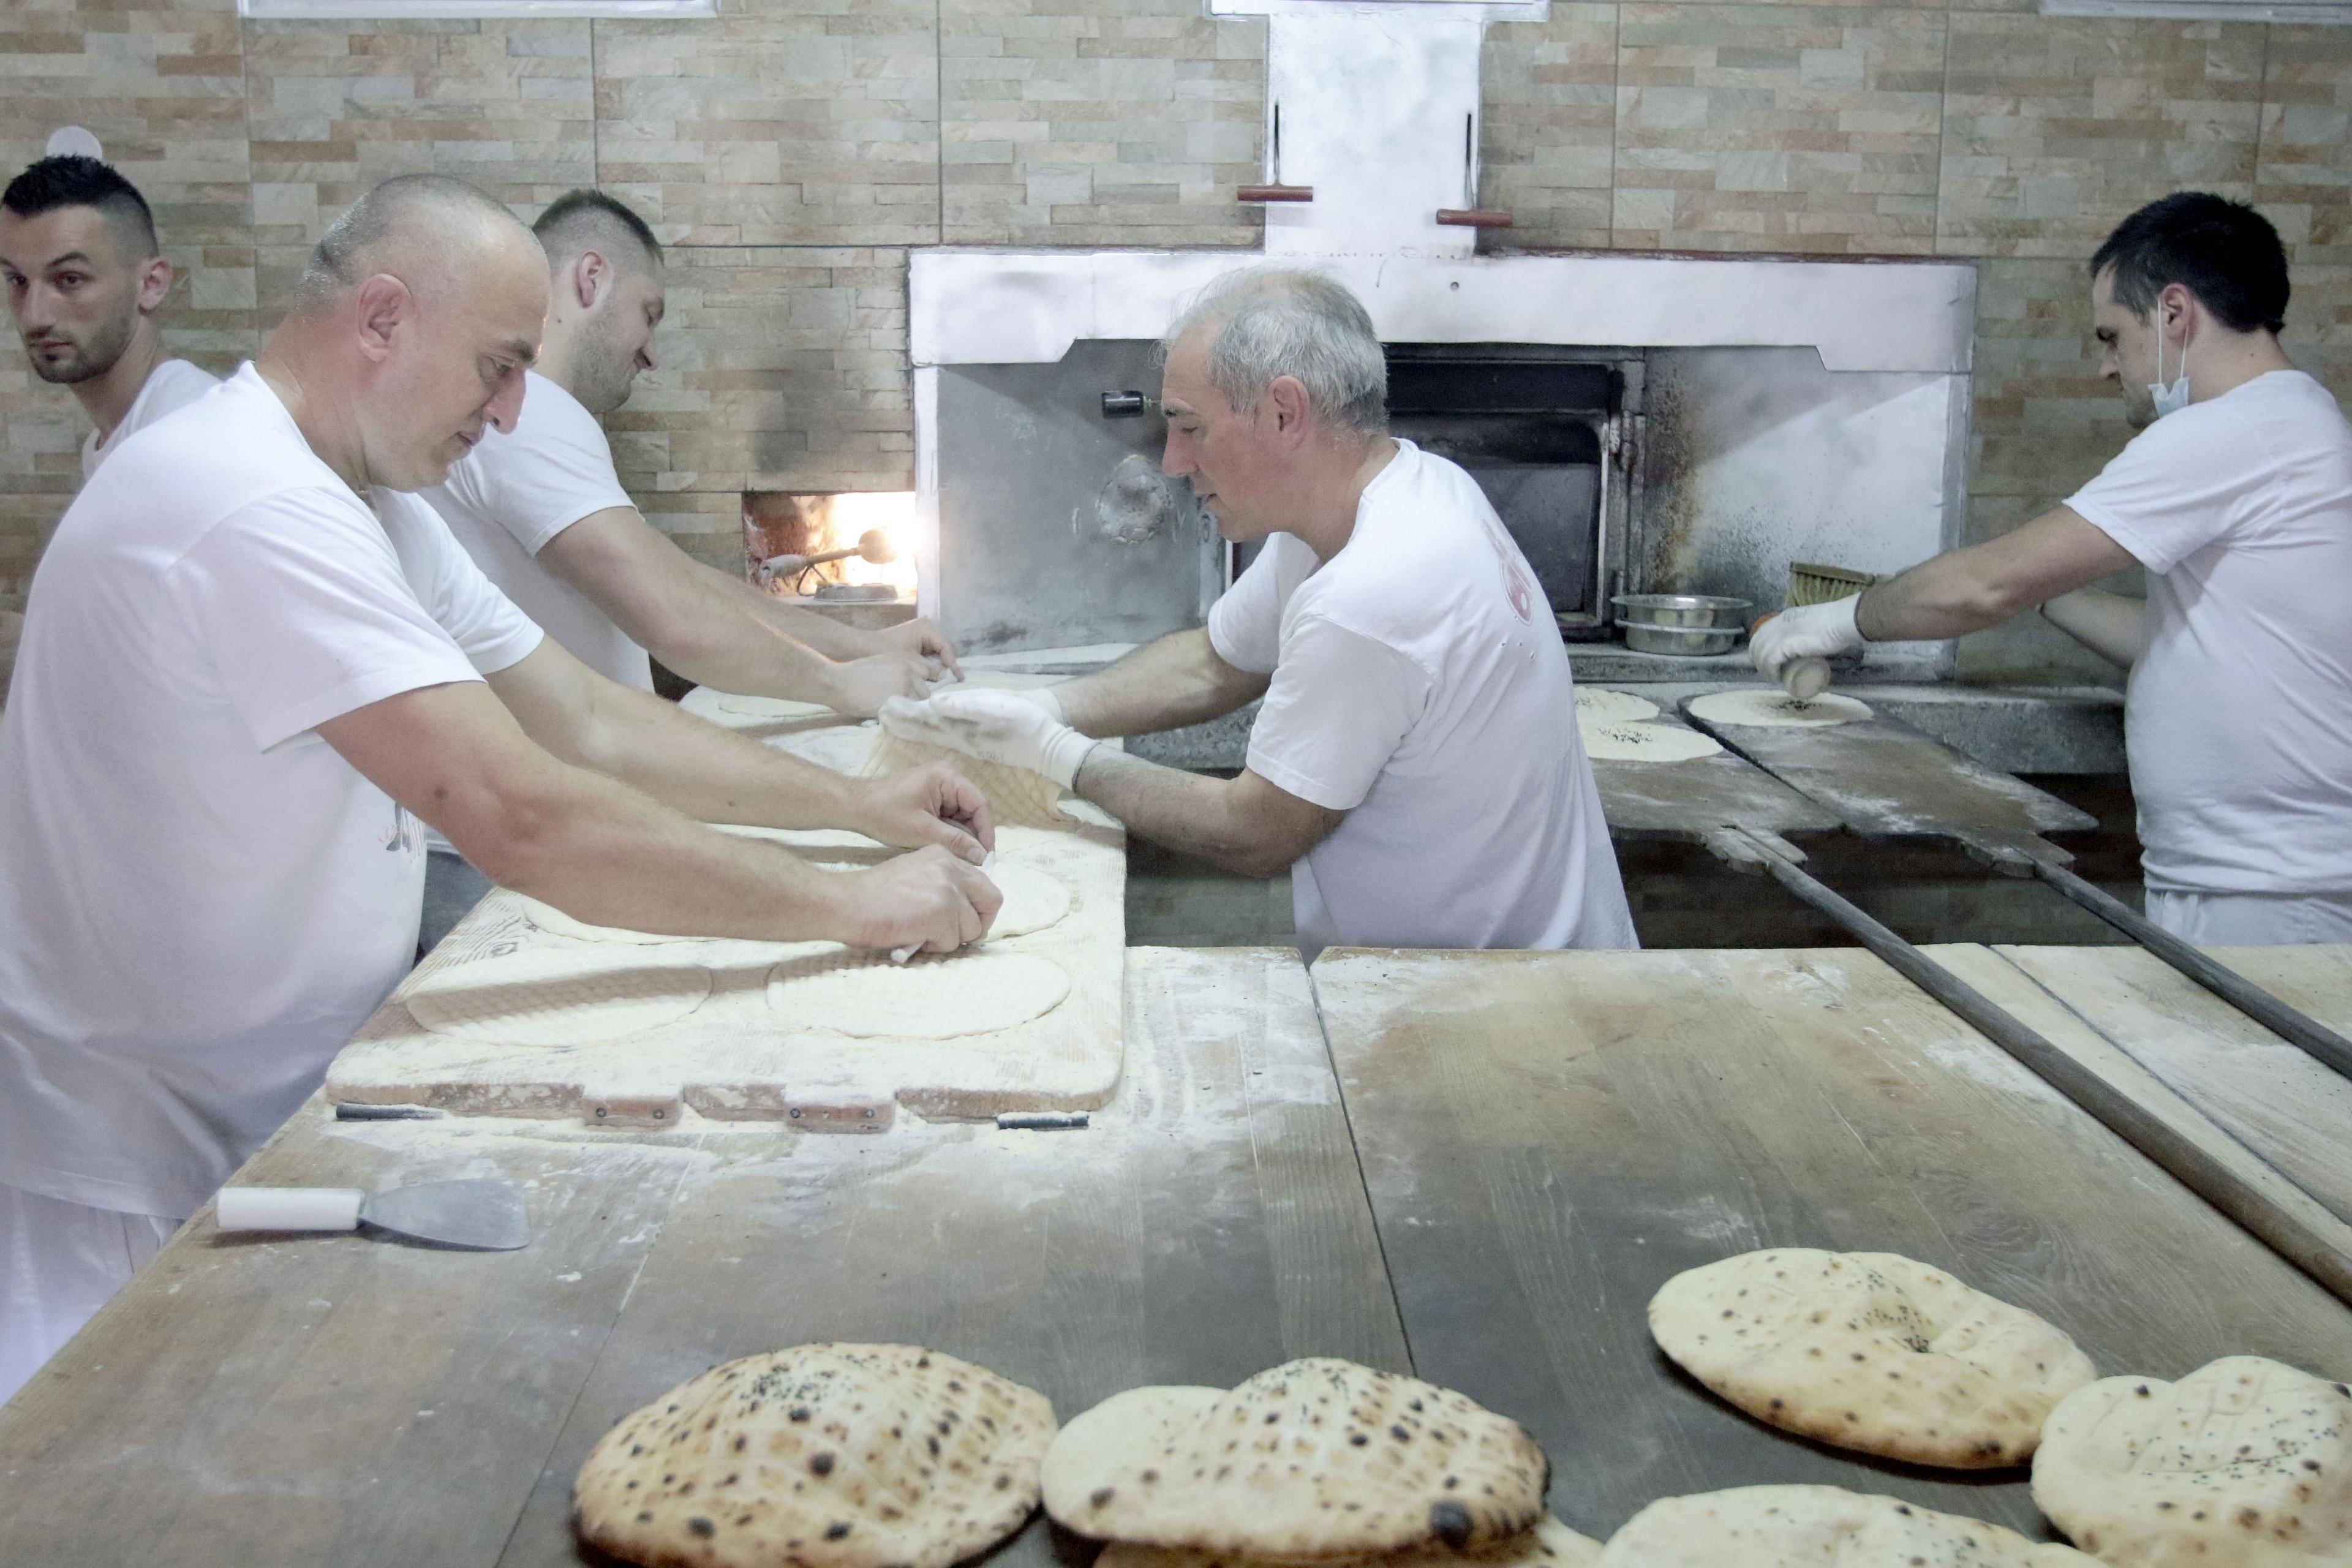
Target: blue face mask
2173, 397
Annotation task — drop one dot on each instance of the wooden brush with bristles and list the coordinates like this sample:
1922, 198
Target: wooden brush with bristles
1810, 583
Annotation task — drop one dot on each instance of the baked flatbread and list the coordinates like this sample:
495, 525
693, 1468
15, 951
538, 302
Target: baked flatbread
1870, 1350
2244, 1463
830, 1456
1818, 1527
1317, 1458
1550, 1544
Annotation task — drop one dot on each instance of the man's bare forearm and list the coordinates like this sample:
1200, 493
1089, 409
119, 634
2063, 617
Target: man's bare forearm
731, 640
1185, 811
1966, 590
2109, 624
1176, 681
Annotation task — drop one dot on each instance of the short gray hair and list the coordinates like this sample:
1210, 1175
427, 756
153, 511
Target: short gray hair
1273, 322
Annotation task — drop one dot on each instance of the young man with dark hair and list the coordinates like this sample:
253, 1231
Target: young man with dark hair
85, 278
542, 510
84, 275
2236, 497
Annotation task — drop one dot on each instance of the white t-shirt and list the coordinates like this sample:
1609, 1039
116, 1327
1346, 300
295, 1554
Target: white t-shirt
203, 900
513, 494
1420, 686
172, 386
2238, 718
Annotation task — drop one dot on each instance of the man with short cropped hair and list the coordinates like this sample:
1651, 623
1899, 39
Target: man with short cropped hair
253, 664
542, 510
85, 277
2236, 498
1416, 765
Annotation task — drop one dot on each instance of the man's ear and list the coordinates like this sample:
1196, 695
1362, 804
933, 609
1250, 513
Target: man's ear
1286, 399
385, 306
591, 275
155, 284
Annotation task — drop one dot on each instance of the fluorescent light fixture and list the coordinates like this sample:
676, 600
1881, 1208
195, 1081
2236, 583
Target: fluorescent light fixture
467, 10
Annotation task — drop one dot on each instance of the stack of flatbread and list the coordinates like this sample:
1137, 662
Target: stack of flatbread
830, 1456
1318, 1461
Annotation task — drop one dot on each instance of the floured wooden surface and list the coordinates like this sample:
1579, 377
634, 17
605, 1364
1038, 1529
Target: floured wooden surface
742, 1054
1548, 1137
276, 1401
2130, 1016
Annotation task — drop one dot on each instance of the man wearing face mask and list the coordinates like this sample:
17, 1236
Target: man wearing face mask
2236, 497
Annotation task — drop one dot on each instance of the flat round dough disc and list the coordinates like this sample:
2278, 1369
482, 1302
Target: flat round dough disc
1033, 899
1769, 707
2244, 1463
769, 707
1645, 742
557, 996
929, 997
1600, 705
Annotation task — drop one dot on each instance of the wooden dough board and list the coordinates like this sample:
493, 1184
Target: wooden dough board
1883, 779
734, 1057
2187, 1055
1698, 799
1547, 1137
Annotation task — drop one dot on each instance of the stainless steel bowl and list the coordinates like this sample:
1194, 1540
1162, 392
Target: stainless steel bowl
1687, 642
1710, 610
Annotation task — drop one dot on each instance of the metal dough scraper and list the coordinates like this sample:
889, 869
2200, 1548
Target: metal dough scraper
486, 1216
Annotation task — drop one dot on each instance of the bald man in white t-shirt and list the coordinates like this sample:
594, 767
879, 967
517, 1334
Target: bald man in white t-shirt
85, 277
2236, 498
1416, 765
256, 662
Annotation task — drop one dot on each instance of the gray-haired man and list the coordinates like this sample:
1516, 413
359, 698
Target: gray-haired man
1416, 762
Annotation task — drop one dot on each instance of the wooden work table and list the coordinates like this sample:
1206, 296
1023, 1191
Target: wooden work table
1527, 1146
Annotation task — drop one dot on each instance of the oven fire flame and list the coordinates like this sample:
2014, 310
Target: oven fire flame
880, 525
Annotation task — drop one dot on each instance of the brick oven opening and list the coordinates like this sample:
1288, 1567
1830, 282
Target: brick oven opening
870, 534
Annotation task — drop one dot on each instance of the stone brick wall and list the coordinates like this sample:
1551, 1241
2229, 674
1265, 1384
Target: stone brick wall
791, 149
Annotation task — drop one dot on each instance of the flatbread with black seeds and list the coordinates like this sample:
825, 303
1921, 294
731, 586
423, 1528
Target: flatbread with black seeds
1550, 1544
2244, 1463
1818, 1527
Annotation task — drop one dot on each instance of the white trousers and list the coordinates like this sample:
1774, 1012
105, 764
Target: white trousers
59, 1264
2252, 920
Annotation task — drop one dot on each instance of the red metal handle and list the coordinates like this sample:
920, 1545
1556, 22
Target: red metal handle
1472, 218
1275, 194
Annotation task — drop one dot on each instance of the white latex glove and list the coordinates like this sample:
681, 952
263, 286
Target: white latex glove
1005, 726
1809, 631
1044, 697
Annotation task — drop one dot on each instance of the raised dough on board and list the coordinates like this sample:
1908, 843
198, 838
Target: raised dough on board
1769, 707
556, 996
1640, 743
975, 992
1601, 705
1033, 900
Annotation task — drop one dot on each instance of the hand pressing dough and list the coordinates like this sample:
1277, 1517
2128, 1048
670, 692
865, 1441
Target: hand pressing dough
1600, 705
1769, 707
833, 1455
929, 997
1318, 1458
556, 996
769, 707
1644, 742
1550, 1544
1818, 1527
1033, 900
2244, 1463
1870, 1350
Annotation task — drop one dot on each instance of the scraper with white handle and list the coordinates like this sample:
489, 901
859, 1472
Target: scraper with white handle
486, 1216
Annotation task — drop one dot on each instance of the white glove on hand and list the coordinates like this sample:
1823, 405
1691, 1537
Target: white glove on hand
1044, 697
1809, 631
996, 727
